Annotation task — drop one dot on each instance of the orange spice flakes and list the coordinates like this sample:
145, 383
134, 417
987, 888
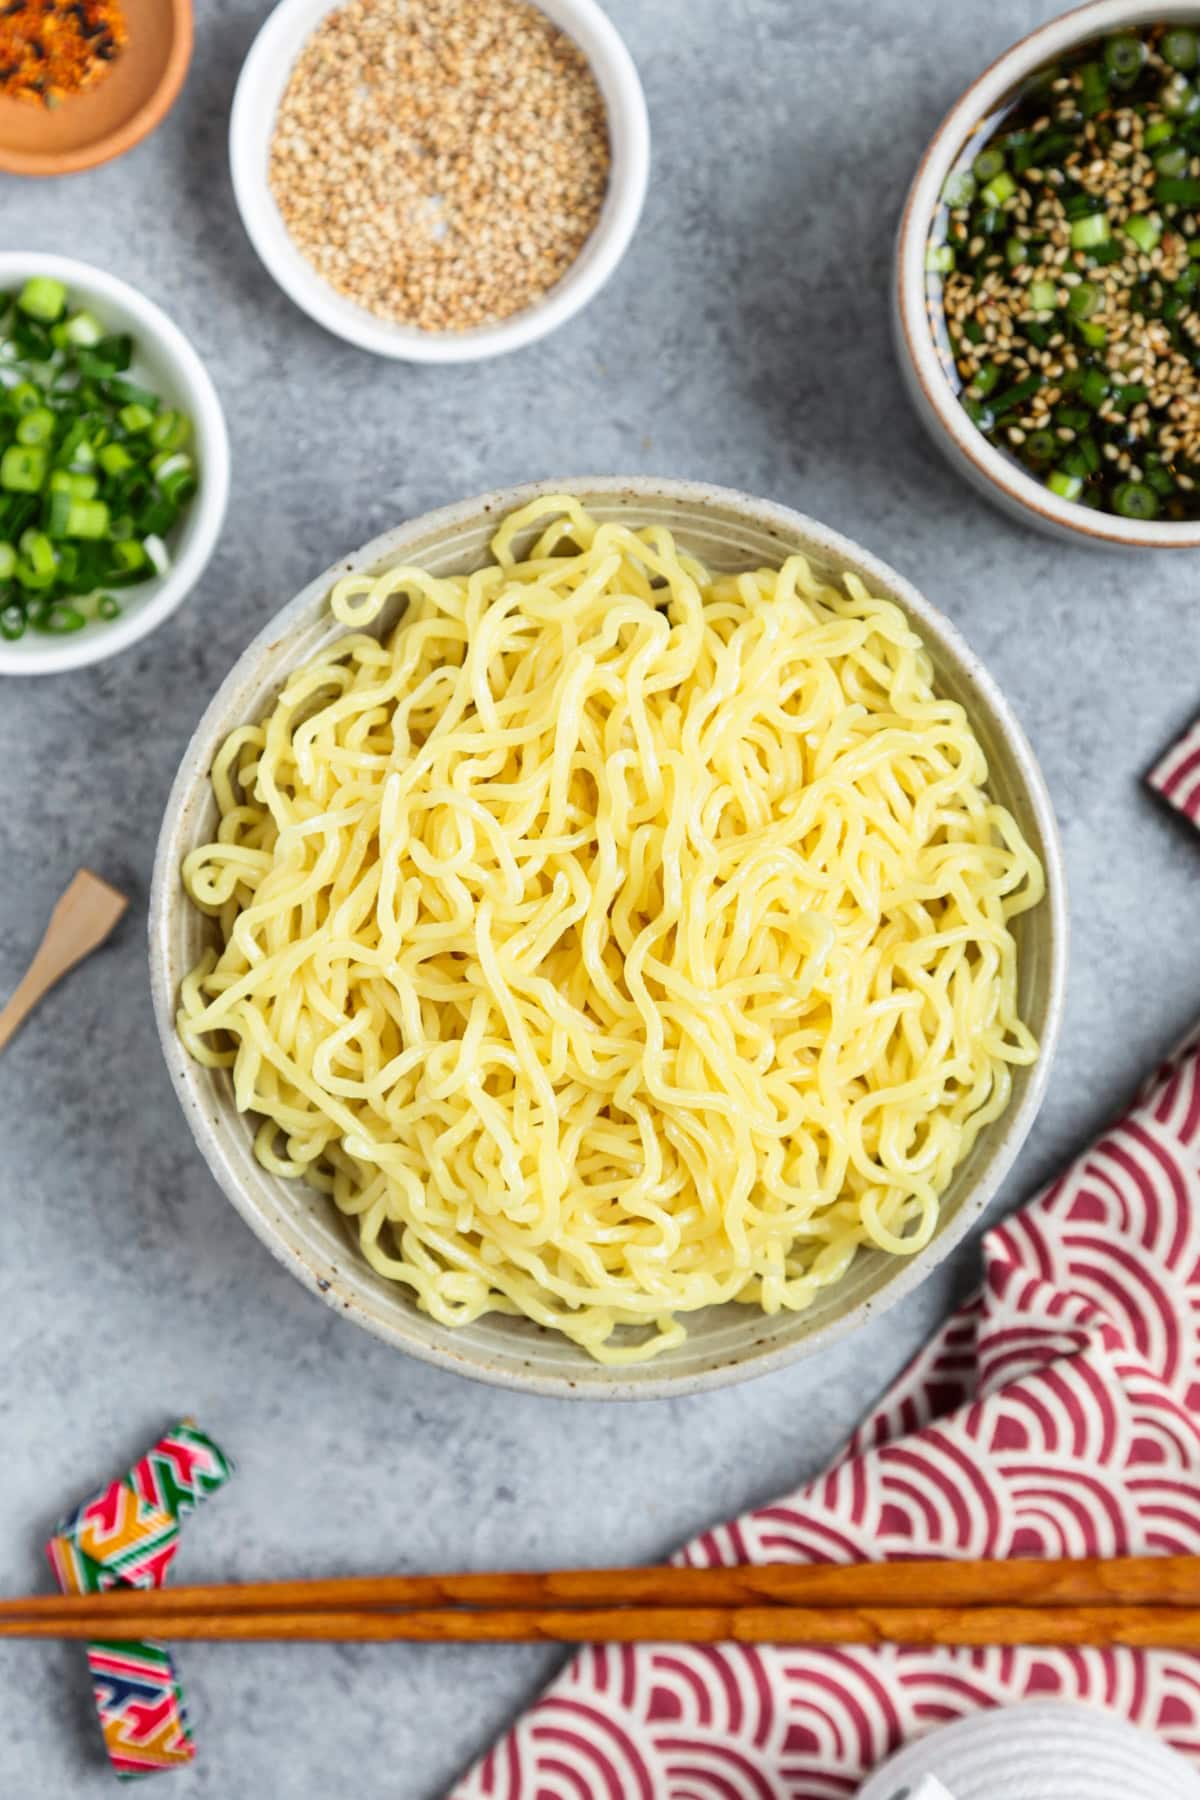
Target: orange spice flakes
50, 49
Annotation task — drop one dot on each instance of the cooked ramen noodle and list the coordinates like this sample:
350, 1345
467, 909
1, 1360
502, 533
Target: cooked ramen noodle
612, 938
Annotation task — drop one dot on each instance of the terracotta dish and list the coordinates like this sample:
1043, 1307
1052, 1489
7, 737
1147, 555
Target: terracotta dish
114, 115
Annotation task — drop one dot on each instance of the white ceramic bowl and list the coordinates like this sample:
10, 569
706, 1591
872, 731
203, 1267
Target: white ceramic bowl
1037, 1750
260, 88
729, 531
169, 364
997, 476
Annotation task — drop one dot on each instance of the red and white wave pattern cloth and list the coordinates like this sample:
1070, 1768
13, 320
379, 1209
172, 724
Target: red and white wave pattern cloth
1177, 776
1058, 1415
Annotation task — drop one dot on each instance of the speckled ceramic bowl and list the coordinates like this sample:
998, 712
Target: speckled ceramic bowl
728, 530
997, 476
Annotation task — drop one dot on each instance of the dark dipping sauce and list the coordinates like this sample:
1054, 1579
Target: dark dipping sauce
1063, 276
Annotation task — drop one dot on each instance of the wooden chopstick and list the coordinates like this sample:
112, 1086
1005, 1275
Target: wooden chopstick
1141, 1627
1148, 1602
1133, 1580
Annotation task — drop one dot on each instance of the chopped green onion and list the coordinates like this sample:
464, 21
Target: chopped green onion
1179, 48
1093, 88
1173, 160
38, 552
1177, 192
1144, 230
36, 426
78, 485
959, 188
1042, 446
1001, 188
108, 607
158, 553
61, 619
1123, 58
43, 299
1066, 486
170, 430
136, 418
58, 512
25, 396
83, 329
981, 384
1158, 133
129, 555
1016, 251
177, 480
1178, 98
131, 393
1084, 299
22, 469
35, 580
1093, 388
1087, 232
115, 459
988, 164
1016, 395
939, 260
87, 519
12, 622
1135, 500
1094, 336
8, 561
1043, 296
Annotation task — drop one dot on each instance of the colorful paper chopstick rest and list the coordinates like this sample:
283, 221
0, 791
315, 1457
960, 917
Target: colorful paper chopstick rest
128, 1534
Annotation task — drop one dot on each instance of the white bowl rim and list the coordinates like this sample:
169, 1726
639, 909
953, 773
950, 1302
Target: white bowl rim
1043, 45
279, 40
331, 1284
54, 657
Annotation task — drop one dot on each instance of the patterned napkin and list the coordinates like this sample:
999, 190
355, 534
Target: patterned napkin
1056, 1415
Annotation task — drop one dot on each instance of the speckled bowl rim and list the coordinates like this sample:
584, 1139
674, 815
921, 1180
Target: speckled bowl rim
402, 1325
957, 436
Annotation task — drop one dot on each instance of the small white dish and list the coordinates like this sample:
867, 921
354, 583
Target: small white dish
167, 361
1000, 478
1037, 1750
260, 89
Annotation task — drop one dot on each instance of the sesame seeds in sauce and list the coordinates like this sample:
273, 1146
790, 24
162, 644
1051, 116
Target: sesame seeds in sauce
1064, 277
440, 162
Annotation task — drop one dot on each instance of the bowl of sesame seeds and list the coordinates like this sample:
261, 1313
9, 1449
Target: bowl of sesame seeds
1047, 299
439, 180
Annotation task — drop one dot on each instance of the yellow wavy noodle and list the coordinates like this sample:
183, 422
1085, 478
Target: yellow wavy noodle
614, 938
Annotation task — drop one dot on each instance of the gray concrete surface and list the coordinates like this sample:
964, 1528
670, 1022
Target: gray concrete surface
745, 339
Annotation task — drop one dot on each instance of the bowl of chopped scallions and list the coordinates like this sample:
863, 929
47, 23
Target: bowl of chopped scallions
1048, 291
114, 465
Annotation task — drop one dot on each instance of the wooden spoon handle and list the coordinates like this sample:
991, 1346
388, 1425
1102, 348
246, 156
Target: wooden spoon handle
79, 924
